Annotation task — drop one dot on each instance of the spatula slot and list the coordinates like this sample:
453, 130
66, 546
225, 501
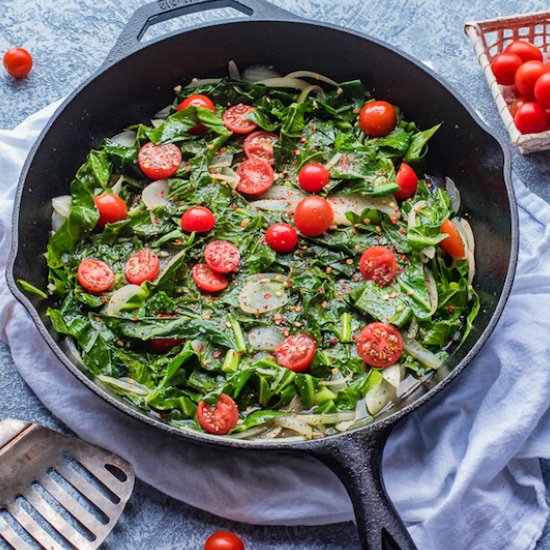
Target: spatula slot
12, 534
117, 472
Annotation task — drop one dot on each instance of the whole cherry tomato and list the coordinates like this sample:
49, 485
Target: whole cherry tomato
18, 62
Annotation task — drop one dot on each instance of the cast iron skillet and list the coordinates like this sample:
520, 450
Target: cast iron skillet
137, 80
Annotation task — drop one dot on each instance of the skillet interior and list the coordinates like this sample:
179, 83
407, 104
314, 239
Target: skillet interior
134, 88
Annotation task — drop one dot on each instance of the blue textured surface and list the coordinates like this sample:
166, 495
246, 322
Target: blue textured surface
69, 39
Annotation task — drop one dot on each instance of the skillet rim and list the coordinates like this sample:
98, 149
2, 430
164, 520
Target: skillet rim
377, 426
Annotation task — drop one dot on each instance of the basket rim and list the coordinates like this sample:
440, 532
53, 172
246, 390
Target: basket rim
508, 18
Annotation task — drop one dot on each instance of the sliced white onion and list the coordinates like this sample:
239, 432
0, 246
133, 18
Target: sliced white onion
296, 405
262, 297
255, 73
337, 382
408, 385
222, 160
73, 353
156, 122
426, 357
432, 290
163, 113
156, 194
284, 82
57, 221
358, 204
272, 205
196, 82
251, 432
233, 70
393, 375
429, 252
313, 88
272, 433
311, 74
282, 192
333, 161
379, 396
120, 297
265, 338
413, 329
465, 230
454, 194
117, 186
170, 263
125, 139
323, 419
411, 221
229, 176
62, 205
295, 424
126, 384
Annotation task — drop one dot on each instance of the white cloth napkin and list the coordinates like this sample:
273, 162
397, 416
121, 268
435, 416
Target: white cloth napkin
462, 470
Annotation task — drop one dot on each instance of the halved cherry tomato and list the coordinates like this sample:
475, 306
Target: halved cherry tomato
159, 161
296, 352
281, 237
542, 90
407, 181
525, 50
313, 177
452, 244
220, 419
256, 176
18, 62
222, 256
377, 118
235, 119
164, 345
378, 264
260, 144
380, 345
208, 280
504, 67
526, 77
111, 209
94, 275
531, 118
198, 218
313, 216
142, 266
197, 100
223, 540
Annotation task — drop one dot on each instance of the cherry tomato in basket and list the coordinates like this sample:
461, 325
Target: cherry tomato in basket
94, 275
526, 77
221, 418
380, 345
542, 90
313, 216
198, 218
256, 176
111, 209
159, 161
525, 50
222, 256
208, 280
452, 244
223, 540
281, 237
504, 67
18, 62
142, 266
407, 181
313, 177
296, 352
260, 144
197, 100
531, 118
378, 264
515, 105
235, 119
377, 118
164, 345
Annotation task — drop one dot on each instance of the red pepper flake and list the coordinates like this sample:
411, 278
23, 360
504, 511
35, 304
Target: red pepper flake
313, 127
451, 308
393, 219
217, 354
333, 341
353, 337
303, 139
267, 296
428, 382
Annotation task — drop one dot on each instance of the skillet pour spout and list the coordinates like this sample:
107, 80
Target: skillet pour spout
119, 96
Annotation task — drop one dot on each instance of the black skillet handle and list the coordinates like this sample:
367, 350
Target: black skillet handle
356, 459
164, 10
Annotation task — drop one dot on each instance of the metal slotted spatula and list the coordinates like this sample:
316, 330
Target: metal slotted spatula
57, 491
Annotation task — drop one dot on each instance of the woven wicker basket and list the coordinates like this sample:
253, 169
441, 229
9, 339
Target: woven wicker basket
489, 38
